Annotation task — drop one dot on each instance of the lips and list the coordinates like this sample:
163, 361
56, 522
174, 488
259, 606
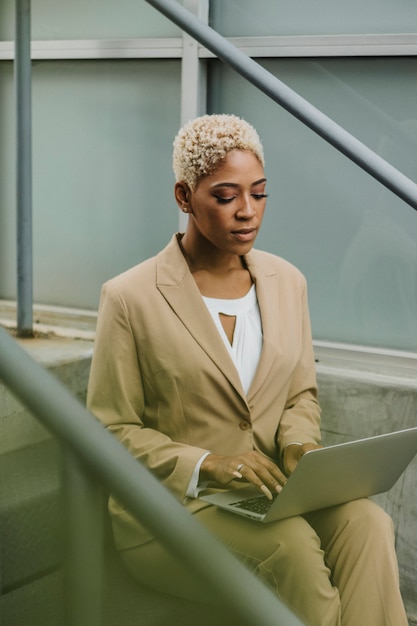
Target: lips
245, 234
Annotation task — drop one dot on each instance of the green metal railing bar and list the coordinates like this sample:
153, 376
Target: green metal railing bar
334, 134
138, 489
23, 68
84, 509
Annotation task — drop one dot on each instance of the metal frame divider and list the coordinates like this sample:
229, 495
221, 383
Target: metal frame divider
193, 77
24, 169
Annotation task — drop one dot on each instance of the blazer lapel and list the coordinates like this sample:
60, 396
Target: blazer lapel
268, 300
175, 282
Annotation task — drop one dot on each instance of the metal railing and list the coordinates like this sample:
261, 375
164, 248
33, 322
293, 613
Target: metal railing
93, 454
283, 95
24, 169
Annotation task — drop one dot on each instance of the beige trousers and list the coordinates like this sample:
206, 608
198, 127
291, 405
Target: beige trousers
335, 567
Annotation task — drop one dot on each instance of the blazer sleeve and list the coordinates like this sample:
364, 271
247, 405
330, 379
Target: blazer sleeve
300, 421
116, 397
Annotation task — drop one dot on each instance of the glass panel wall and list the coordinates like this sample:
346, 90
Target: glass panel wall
102, 175
234, 18
355, 241
89, 19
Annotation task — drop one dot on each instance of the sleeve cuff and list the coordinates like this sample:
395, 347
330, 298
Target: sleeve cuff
194, 486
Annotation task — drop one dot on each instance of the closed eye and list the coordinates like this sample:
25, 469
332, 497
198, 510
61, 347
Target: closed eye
222, 200
256, 196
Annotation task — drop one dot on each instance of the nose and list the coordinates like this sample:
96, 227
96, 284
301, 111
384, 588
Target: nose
246, 209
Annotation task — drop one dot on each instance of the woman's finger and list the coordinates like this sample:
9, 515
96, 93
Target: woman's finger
252, 476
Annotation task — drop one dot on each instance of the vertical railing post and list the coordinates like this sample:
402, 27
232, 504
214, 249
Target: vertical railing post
24, 169
84, 544
193, 69
193, 78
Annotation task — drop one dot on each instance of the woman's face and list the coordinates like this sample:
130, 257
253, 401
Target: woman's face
227, 207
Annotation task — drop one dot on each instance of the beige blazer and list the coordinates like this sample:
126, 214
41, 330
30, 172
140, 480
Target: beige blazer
163, 382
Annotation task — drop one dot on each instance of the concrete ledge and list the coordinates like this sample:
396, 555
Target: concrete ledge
69, 360
366, 364
63, 343
53, 320
365, 393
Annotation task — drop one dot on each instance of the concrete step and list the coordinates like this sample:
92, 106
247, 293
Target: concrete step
32, 546
66, 358
32, 543
30, 514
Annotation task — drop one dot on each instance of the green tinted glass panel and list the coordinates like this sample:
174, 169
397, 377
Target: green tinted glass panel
89, 19
355, 241
303, 17
102, 176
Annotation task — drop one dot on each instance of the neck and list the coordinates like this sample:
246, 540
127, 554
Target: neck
207, 258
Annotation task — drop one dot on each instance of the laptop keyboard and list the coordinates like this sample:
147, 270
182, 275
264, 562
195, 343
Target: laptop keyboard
260, 505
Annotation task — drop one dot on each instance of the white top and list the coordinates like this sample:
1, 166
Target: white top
246, 348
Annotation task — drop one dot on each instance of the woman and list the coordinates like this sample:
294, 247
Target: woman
203, 368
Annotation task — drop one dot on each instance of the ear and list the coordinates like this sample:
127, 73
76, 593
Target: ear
182, 194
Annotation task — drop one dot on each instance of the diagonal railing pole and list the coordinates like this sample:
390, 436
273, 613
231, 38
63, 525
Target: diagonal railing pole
24, 170
84, 501
133, 485
334, 134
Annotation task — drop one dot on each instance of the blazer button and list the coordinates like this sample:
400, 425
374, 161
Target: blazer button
244, 425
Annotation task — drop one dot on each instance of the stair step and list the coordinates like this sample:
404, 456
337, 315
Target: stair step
30, 513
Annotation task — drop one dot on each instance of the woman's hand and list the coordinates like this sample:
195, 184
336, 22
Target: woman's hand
293, 453
252, 467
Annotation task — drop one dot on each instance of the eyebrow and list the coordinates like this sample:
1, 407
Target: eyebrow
235, 185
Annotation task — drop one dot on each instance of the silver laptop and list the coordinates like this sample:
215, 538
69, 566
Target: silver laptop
328, 476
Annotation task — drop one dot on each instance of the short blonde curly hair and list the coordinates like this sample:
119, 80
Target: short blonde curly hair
203, 143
